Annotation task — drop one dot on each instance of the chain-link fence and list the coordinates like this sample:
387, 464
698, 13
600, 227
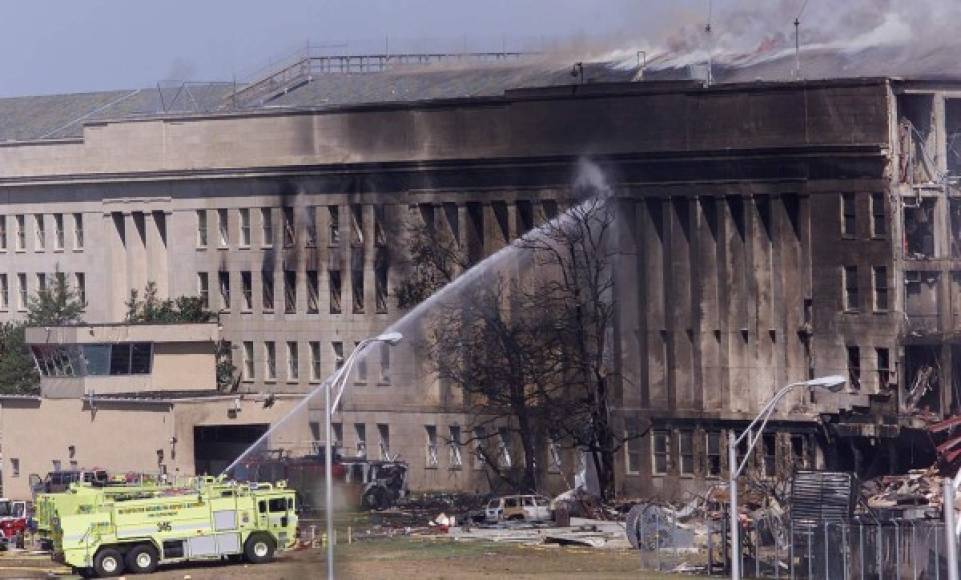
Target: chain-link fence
856, 550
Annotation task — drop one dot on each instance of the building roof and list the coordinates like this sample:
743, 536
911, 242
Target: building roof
63, 116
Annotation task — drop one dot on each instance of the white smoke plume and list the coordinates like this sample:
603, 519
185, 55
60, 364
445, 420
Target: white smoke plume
837, 37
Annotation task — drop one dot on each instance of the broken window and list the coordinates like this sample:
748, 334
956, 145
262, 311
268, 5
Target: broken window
660, 451
244, 227
499, 209
480, 445
798, 454
361, 367
879, 218
685, 440
384, 363
475, 228
224, 282
333, 225
952, 122
313, 292
266, 227
917, 139
315, 370
851, 297
21, 227
41, 235
357, 287
290, 292
848, 215
525, 217
854, 367
360, 432
923, 379
293, 362
919, 229
454, 459
554, 456
884, 366
77, 232
713, 448
380, 280
504, 459
270, 361
769, 441
921, 301
632, 444
267, 291
452, 217
550, 208
58, 237
222, 231
880, 276
380, 222
338, 348
383, 432
203, 289
248, 361
356, 225
431, 459
335, 288
290, 234
246, 286
954, 209
310, 226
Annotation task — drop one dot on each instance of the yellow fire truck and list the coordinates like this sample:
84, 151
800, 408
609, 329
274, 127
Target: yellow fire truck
210, 520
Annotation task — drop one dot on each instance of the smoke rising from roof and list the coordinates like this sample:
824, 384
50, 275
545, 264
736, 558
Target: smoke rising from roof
851, 38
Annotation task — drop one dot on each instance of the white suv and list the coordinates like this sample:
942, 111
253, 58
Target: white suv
531, 508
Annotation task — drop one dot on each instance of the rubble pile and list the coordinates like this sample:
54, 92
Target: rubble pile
919, 488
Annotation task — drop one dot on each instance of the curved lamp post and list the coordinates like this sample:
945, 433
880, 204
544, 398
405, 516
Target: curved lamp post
831, 383
339, 382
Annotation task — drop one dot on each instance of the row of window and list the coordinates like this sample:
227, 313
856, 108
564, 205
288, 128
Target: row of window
42, 223
879, 220
306, 219
689, 452
312, 283
78, 280
852, 292
494, 447
268, 361
882, 358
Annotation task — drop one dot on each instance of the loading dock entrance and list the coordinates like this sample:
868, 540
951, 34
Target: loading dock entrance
216, 446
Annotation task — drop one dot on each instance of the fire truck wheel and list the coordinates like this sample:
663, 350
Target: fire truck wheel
259, 548
142, 559
108, 562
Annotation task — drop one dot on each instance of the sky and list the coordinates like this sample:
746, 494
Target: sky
58, 46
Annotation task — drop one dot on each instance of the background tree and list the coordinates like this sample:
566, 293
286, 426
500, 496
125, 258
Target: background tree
55, 305
150, 309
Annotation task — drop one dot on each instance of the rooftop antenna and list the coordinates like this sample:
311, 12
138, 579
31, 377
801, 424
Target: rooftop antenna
710, 51
797, 41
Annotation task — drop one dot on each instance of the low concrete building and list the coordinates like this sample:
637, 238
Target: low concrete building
132, 398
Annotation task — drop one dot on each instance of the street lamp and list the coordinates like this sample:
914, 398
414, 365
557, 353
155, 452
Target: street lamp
831, 383
340, 383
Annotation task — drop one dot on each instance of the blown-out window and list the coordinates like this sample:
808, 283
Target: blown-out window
132, 358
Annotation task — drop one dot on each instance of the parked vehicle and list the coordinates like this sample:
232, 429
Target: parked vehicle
359, 482
530, 508
13, 518
59, 481
208, 521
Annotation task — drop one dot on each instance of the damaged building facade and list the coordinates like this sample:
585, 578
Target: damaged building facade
768, 233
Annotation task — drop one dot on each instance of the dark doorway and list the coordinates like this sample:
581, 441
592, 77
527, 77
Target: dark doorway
217, 446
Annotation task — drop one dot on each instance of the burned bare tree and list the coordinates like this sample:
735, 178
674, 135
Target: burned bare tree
573, 256
528, 343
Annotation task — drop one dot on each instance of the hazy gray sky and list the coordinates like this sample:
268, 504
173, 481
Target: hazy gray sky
54, 46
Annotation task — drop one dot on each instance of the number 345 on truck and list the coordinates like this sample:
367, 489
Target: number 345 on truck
210, 520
